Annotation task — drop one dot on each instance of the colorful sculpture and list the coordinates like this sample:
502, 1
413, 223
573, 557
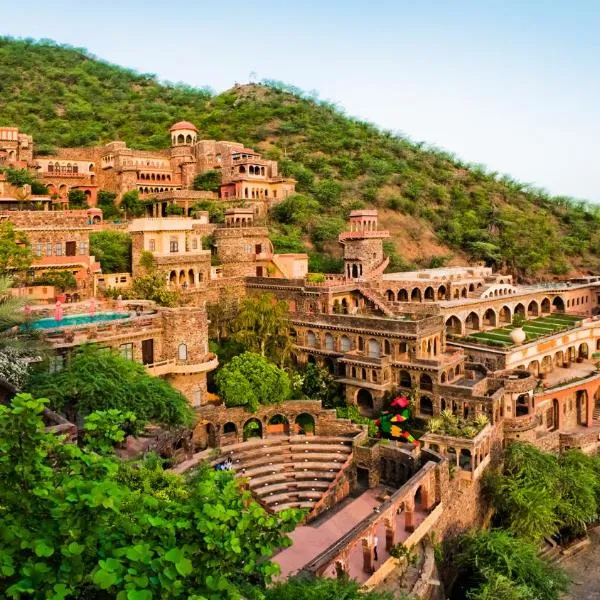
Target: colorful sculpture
390, 420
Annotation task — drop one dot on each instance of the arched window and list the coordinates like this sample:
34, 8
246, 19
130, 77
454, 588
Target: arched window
311, 339
374, 349
50, 168
182, 352
345, 344
329, 342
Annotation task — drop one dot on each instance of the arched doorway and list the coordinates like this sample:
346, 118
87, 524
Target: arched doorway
453, 325
278, 424
364, 401
504, 315
472, 322
426, 406
520, 310
425, 382
405, 379
305, 424
489, 318
545, 305
558, 305
402, 296
429, 294
533, 309
252, 428
581, 401
415, 295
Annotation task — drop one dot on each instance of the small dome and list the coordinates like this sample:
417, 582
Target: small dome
183, 125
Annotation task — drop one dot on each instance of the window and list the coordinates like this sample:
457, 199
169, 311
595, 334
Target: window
83, 248
151, 245
48, 248
58, 249
57, 363
194, 243
248, 249
126, 351
75, 169
174, 245
182, 352
38, 249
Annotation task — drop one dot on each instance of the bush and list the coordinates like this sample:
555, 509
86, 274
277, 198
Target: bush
112, 249
77, 199
250, 380
208, 181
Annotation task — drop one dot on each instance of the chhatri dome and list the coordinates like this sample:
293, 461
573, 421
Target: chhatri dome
183, 133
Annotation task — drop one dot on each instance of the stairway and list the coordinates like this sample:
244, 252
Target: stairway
378, 299
289, 472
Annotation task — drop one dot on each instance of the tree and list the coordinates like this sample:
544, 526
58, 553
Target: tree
321, 588
18, 177
174, 209
106, 202
539, 495
15, 251
112, 249
61, 280
152, 287
488, 561
77, 523
319, 384
250, 380
208, 181
131, 204
77, 199
262, 326
97, 378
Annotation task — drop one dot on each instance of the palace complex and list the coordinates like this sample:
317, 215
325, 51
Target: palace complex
517, 359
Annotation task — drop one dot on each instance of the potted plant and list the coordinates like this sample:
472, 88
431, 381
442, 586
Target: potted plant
518, 335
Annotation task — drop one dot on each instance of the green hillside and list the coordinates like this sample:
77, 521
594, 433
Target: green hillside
438, 208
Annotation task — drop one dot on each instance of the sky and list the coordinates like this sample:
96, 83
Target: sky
513, 84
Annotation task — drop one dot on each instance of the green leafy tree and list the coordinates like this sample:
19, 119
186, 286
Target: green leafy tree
97, 378
18, 177
61, 280
81, 524
174, 209
319, 384
262, 326
208, 181
77, 199
131, 204
15, 251
250, 380
488, 561
112, 249
324, 588
103, 429
152, 287
106, 202
539, 495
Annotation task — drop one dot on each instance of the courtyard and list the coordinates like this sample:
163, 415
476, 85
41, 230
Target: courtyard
534, 329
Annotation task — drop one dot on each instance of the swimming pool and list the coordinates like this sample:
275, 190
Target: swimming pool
73, 320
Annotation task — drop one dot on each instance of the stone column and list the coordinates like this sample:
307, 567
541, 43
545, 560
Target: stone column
390, 531
409, 517
367, 548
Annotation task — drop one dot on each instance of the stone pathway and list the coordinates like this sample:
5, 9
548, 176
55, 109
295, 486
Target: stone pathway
584, 571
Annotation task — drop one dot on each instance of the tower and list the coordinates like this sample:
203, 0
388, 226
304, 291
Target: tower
363, 246
183, 137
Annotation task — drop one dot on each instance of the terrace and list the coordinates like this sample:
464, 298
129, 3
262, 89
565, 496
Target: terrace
534, 329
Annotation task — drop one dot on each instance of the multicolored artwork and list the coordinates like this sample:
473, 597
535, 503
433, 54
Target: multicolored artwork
390, 421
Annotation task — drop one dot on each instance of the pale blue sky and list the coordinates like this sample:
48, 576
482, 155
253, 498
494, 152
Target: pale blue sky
514, 85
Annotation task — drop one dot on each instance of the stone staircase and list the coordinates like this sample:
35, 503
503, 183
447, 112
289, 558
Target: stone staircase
289, 472
378, 299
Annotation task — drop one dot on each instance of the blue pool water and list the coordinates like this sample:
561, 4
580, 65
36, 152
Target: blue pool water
70, 320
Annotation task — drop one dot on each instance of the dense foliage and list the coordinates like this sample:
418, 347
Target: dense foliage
539, 494
112, 249
250, 380
305, 588
262, 326
15, 251
493, 565
66, 97
77, 523
61, 280
97, 378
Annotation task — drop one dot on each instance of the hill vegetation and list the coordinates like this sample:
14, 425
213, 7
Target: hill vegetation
438, 208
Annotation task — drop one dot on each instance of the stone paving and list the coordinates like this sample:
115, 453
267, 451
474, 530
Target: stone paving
584, 571
310, 540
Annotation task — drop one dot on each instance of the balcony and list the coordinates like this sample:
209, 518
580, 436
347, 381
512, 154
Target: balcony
176, 367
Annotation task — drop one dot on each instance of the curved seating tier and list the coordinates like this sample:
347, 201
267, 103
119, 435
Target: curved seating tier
289, 472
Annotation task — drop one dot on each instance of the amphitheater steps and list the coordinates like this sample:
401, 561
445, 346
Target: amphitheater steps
289, 471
